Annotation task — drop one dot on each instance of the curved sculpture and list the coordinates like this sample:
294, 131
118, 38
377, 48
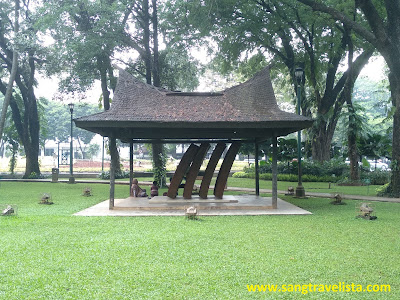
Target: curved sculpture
225, 169
183, 166
194, 170
212, 164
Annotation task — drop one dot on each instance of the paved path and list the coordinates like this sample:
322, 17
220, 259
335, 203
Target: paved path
236, 189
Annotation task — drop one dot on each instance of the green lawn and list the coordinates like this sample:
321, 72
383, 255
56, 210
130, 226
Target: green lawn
46, 253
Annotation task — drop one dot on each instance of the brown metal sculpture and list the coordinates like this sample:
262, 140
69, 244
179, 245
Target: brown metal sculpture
194, 170
212, 164
181, 170
225, 169
193, 158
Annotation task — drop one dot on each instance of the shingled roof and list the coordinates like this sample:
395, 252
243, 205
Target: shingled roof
246, 111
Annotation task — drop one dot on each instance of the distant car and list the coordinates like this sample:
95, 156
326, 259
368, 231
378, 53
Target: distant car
380, 165
347, 162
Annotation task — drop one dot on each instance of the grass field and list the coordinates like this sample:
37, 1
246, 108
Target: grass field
46, 253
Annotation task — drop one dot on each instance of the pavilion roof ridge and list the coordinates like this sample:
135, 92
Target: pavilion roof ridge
123, 72
263, 74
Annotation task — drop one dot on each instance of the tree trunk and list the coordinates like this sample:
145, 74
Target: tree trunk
352, 144
156, 65
157, 148
104, 67
103, 79
28, 132
13, 160
32, 164
146, 40
321, 143
352, 131
80, 147
395, 91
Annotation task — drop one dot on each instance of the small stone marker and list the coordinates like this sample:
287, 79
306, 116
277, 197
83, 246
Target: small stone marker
45, 199
87, 192
191, 212
338, 200
290, 191
9, 210
365, 211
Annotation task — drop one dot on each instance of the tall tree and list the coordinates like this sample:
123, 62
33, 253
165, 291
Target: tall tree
23, 103
153, 74
88, 35
383, 32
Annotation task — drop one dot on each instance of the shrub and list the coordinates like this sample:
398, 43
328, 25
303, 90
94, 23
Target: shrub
325, 178
385, 190
240, 175
118, 175
266, 176
287, 177
336, 167
377, 177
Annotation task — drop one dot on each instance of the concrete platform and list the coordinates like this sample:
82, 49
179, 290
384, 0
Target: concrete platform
163, 206
195, 201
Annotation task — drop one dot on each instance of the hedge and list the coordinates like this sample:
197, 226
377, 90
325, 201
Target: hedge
336, 167
288, 177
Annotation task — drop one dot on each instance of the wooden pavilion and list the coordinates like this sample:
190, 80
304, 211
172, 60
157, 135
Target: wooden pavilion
248, 112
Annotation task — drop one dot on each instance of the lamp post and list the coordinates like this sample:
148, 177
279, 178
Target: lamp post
71, 149
102, 157
58, 154
300, 192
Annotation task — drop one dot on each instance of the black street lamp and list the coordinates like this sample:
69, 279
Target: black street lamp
300, 192
102, 157
71, 149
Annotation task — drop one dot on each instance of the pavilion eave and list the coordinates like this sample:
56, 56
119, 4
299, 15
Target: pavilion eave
190, 132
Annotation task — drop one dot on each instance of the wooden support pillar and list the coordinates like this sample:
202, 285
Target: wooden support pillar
225, 169
257, 169
208, 174
194, 170
130, 167
113, 149
181, 170
274, 172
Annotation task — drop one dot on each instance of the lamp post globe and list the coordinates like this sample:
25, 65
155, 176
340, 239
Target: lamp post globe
300, 192
298, 73
71, 147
